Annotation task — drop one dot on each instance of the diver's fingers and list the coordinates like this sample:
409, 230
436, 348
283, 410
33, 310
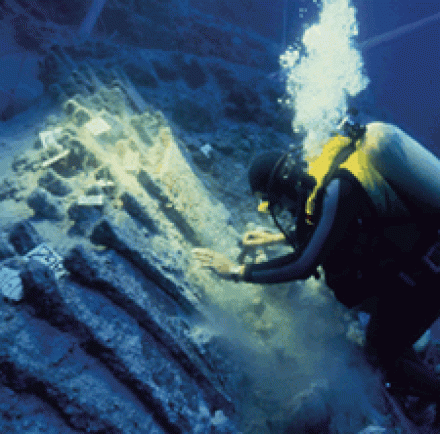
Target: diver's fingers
202, 250
246, 238
256, 234
205, 263
203, 253
255, 239
252, 242
248, 241
251, 234
205, 256
250, 237
204, 259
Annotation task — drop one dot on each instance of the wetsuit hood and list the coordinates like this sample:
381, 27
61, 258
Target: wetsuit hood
261, 170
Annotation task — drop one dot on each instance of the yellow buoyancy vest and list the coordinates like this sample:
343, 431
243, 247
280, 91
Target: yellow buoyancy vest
361, 163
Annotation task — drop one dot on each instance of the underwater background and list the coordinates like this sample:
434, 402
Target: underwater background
126, 132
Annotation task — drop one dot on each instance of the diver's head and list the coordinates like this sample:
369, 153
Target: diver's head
261, 170
283, 184
275, 174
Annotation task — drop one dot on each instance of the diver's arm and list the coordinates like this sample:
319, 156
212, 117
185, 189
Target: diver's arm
290, 267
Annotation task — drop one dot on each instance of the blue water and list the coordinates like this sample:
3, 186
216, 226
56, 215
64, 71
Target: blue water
404, 72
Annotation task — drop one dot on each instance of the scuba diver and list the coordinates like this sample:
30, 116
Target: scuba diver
366, 210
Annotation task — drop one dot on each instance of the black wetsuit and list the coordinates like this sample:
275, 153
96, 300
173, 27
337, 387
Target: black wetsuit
356, 270
344, 203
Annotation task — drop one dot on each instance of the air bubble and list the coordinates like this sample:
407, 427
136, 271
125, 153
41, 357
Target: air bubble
321, 75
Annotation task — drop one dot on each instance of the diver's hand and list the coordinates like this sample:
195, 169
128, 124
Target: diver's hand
218, 263
261, 238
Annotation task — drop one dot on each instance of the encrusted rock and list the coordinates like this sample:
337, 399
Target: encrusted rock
165, 72
54, 184
113, 277
45, 205
84, 217
58, 157
192, 72
141, 76
224, 78
150, 186
6, 249
112, 100
8, 188
24, 237
41, 292
203, 158
193, 116
125, 240
77, 112
166, 207
138, 211
147, 125
26, 161
11, 284
243, 104
47, 256
76, 161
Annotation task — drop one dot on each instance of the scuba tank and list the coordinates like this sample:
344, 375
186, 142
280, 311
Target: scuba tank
412, 170
400, 176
